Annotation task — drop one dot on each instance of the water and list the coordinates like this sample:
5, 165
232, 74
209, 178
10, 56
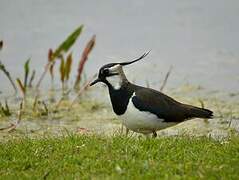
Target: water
199, 38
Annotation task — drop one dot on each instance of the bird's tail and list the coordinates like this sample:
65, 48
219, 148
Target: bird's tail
196, 112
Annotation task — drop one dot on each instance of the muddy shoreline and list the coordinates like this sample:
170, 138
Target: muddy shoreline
93, 114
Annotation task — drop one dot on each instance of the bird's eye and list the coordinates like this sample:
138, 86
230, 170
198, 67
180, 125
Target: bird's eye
106, 71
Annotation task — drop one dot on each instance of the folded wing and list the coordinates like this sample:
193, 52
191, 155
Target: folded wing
166, 107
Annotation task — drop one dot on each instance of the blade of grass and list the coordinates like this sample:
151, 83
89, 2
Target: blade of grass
201, 102
68, 66
26, 70
1, 109
32, 78
62, 98
35, 102
43, 74
7, 107
1, 45
90, 45
19, 118
202, 106
45, 108
51, 69
13, 127
5, 110
66, 45
62, 70
21, 86
4, 70
83, 89
50, 63
166, 78
50, 55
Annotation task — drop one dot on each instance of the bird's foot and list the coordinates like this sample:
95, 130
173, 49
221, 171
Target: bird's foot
122, 130
127, 132
154, 134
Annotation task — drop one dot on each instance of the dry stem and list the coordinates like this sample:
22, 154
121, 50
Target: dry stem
166, 78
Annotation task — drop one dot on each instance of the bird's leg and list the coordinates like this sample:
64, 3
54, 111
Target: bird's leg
127, 131
154, 134
121, 129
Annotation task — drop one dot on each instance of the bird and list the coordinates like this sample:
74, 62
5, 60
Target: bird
140, 109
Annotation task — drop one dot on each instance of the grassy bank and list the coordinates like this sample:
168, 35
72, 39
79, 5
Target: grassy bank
119, 157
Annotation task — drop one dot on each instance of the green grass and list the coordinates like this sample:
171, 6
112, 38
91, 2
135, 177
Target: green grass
118, 157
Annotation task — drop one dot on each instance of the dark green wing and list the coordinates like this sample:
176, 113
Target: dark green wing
165, 107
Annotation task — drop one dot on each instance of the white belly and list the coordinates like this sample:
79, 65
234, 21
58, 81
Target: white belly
142, 121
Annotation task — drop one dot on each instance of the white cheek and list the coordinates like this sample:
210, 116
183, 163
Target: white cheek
115, 81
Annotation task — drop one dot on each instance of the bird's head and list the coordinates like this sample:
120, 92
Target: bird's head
112, 73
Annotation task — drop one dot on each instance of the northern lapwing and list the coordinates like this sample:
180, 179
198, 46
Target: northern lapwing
141, 109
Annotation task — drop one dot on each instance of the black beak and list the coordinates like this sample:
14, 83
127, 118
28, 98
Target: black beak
135, 60
95, 81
